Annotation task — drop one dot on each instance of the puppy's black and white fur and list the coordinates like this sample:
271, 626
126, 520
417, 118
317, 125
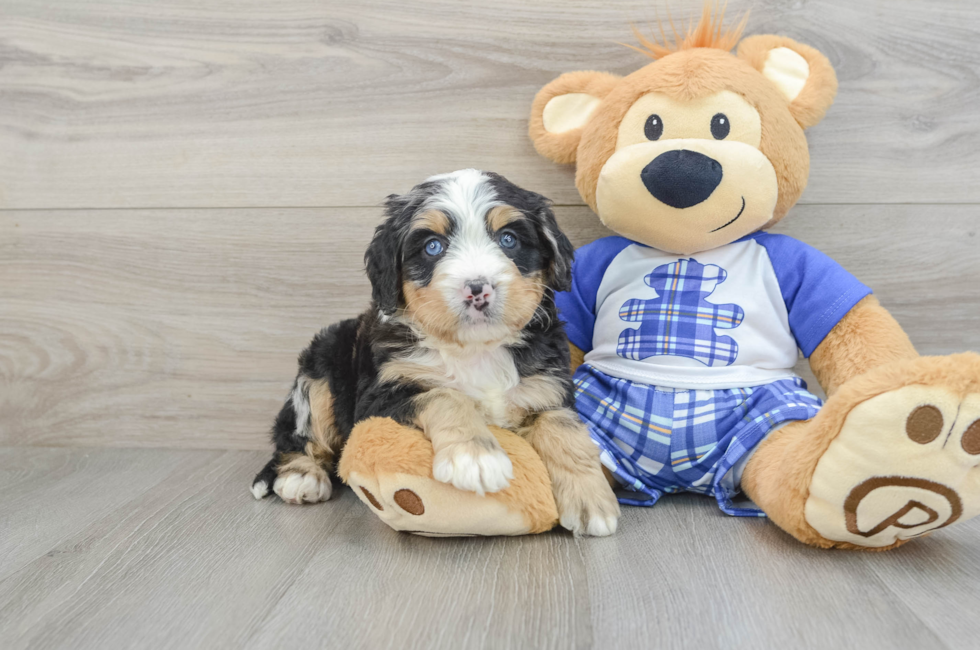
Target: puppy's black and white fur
462, 333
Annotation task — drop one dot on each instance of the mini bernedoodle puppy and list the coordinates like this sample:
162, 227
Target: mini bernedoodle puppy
462, 333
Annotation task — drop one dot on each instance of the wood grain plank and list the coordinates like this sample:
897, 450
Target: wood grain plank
938, 581
107, 103
153, 312
181, 328
398, 591
50, 495
688, 576
195, 562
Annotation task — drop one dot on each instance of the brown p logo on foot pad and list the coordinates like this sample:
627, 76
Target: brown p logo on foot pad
859, 493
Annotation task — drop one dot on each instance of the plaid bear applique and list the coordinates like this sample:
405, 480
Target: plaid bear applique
680, 321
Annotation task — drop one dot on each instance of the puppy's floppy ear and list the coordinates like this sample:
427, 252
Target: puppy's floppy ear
561, 250
562, 108
803, 75
383, 257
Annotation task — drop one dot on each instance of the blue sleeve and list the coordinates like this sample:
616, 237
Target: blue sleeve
576, 307
818, 291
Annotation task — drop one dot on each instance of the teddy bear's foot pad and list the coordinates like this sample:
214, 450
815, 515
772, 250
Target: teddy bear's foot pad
904, 464
424, 506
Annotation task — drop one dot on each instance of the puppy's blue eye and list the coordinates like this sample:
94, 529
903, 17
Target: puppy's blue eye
507, 240
433, 247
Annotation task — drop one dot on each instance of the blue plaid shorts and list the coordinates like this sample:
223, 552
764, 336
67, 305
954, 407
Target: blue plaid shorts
659, 440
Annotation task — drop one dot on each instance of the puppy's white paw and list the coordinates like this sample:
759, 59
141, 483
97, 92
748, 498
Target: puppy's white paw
588, 507
581, 523
296, 487
478, 465
602, 526
259, 489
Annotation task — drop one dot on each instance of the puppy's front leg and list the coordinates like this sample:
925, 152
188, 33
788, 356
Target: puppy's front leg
586, 503
467, 454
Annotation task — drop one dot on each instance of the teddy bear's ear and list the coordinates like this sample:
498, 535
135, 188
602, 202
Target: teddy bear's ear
562, 108
802, 74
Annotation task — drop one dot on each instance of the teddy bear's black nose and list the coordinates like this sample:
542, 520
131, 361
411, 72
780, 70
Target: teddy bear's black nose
681, 178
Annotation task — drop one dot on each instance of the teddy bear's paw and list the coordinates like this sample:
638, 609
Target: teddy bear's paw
905, 463
424, 506
588, 507
477, 465
302, 487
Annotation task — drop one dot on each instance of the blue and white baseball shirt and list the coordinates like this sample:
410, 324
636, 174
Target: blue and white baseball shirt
731, 317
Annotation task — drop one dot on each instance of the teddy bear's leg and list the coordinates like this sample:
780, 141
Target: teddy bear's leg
389, 467
894, 454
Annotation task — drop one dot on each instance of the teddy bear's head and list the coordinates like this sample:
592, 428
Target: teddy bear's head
700, 147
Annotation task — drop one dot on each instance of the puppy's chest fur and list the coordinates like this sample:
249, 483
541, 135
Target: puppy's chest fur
488, 374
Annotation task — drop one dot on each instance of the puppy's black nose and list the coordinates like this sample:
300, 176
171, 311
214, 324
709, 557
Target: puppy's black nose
478, 294
681, 178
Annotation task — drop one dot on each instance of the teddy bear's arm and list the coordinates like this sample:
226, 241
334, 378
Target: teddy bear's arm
867, 337
578, 357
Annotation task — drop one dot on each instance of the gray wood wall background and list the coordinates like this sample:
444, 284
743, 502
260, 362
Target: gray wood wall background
187, 188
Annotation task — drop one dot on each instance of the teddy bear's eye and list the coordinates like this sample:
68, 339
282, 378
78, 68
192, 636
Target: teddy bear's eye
654, 128
720, 126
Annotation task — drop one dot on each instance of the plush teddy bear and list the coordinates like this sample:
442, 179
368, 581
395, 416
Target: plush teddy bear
685, 327
684, 330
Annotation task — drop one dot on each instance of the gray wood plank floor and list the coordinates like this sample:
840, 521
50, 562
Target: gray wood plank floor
186, 191
115, 548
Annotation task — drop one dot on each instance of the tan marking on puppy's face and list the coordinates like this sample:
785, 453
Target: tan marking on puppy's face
687, 175
427, 306
433, 220
502, 215
523, 295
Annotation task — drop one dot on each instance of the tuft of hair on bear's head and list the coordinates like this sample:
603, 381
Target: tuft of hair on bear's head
709, 32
